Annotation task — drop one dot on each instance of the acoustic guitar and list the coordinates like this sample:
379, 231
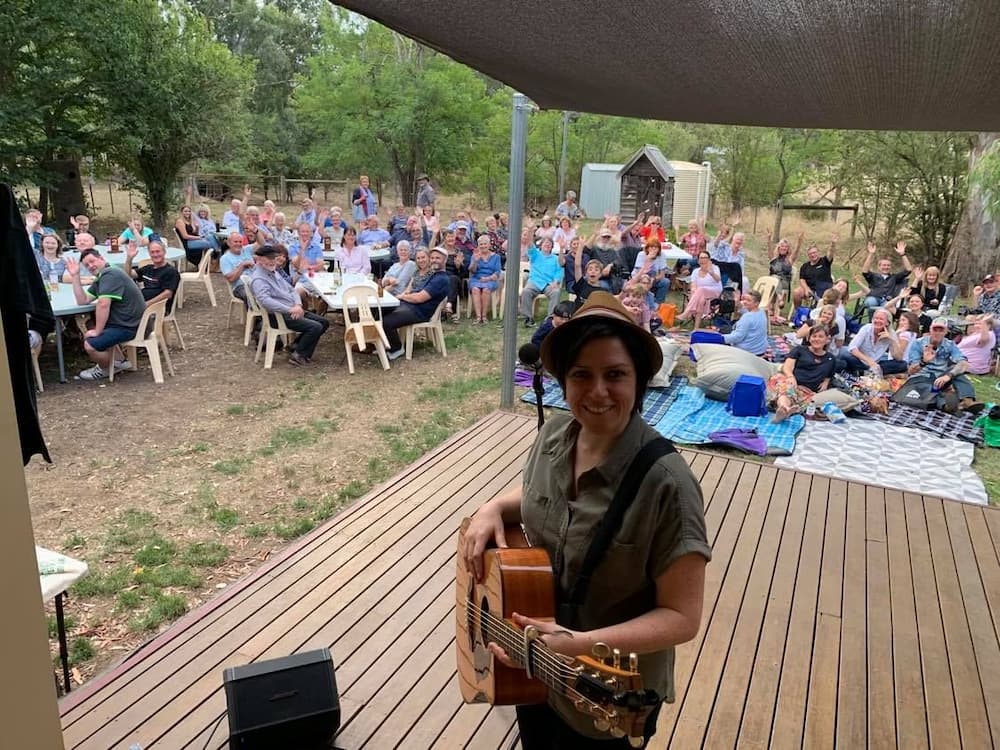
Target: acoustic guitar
519, 579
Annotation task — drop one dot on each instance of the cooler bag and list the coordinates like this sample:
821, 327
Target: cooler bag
747, 397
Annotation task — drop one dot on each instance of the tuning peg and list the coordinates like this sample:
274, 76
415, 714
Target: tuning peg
633, 662
601, 726
616, 732
636, 741
601, 650
618, 658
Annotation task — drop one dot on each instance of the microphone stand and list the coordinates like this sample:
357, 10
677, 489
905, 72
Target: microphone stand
536, 385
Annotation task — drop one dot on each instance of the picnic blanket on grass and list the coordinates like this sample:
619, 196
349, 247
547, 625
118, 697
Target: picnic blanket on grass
874, 452
959, 426
654, 406
692, 417
933, 421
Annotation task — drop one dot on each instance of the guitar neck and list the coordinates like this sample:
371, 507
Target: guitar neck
546, 666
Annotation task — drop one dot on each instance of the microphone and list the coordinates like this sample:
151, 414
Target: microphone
529, 355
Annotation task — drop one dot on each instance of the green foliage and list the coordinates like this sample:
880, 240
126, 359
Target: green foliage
167, 125
103, 581
377, 102
986, 176
205, 554
157, 551
81, 650
165, 607
293, 529
53, 625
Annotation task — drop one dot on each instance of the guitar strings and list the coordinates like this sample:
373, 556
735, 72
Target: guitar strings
514, 643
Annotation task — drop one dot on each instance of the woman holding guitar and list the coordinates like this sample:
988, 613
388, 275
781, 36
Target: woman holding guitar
628, 567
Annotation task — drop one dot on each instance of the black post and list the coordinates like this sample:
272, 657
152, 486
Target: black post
63, 650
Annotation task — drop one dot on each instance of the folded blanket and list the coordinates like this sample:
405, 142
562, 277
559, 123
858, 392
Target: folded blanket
693, 418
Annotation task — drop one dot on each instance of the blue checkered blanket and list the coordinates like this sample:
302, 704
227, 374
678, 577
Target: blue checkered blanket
655, 406
692, 417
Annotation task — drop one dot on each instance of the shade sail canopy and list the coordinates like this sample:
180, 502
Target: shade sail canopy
878, 64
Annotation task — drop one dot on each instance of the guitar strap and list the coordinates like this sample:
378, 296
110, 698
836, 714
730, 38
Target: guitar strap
648, 455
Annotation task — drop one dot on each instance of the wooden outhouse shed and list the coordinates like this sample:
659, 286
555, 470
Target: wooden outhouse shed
647, 185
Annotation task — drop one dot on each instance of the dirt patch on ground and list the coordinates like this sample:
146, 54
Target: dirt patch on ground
171, 492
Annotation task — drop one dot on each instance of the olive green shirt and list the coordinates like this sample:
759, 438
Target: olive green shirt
664, 522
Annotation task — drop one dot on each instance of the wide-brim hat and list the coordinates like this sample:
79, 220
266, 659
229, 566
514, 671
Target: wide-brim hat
607, 308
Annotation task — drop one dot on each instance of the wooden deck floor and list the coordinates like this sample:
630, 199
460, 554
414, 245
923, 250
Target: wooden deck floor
835, 615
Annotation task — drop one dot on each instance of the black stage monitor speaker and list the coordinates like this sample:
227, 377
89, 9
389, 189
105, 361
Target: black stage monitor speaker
289, 703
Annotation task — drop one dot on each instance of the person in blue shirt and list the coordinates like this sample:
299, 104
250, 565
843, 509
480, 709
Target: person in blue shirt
936, 359
235, 263
484, 277
750, 333
545, 277
373, 234
417, 307
306, 252
135, 232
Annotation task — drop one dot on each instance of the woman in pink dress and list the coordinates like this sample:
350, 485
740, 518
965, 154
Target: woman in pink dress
706, 285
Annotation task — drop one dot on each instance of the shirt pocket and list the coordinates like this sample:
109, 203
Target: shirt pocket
538, 517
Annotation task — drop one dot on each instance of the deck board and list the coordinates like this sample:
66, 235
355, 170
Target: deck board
835, 615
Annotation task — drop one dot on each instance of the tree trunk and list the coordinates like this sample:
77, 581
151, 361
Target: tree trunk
975, 247
65, 196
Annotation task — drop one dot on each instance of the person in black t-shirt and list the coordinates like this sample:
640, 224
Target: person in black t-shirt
806, 371
815, 276
883, 284
587, 281
158, 280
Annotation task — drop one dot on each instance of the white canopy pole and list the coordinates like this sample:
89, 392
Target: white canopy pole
518, 143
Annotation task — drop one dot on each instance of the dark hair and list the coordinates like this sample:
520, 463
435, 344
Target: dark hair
89, 251
564, 309
604, 328
817, 327
351, 230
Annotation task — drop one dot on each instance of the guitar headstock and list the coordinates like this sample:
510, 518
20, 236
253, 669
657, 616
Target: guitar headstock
610, 690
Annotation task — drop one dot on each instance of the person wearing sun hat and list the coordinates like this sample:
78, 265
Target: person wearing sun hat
645, 594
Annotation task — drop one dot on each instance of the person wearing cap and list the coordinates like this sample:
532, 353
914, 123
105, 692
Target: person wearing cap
308, 214
277, 296
425, 193
935, 358
545, 277
570, 208
987, 297
419, 306
645, 595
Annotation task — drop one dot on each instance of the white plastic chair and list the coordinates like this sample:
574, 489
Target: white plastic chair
149, 337
202, 274
434, 330
38, 371
234, 301
269, 332
366, 328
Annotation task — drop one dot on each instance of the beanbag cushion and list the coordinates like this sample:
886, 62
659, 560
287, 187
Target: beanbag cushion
719, 366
